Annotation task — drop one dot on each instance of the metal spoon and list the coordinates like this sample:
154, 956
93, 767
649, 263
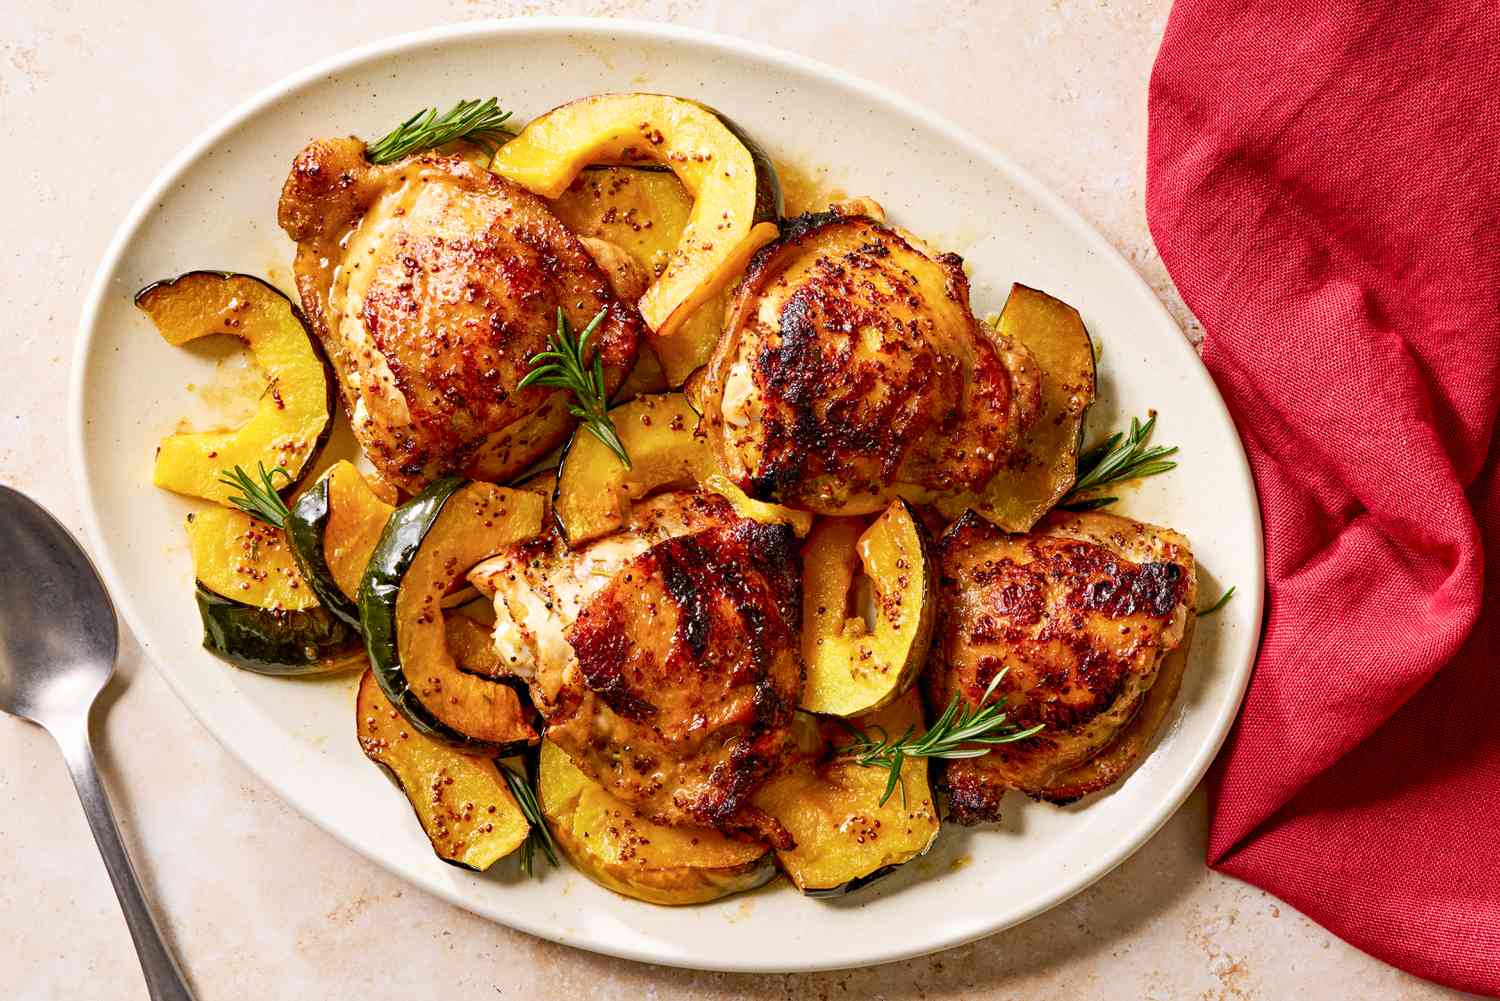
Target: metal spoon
58, 639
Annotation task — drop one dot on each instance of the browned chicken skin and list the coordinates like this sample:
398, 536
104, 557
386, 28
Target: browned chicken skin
540, 586
852, 367
431, 283
687, 675
1079, 614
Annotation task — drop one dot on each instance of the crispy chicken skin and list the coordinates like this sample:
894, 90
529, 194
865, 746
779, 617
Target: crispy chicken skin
540, 586
688, 671
1080, 614
852, 365
431, 283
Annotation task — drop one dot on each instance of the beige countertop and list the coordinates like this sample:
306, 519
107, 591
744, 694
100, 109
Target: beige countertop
94, 98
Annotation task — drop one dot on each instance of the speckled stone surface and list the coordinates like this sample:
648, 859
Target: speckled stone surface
94, 98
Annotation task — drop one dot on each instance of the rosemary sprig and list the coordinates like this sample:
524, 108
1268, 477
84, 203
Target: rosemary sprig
480, 122
258, 500
1223, 600
1122, 456
565, 366
959, 733
540, 836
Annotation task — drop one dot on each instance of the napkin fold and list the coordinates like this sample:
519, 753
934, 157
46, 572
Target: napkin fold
1324, 187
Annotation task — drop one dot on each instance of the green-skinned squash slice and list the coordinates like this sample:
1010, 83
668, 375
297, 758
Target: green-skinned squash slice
333, 530
594, 490
736, 195
610, 842
846, 838
461, 800
258, 611
854, 667
429, 544
293, 417
1045, 465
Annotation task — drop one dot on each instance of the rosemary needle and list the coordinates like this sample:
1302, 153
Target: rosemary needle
539, 836
1120, 457
259, 500
961, 732
566, 366
480, 122
1223, 600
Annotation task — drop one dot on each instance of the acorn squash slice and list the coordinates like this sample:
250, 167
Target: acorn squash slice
258, 611
426, 550
473, 647
594, 490
643, 210
611, 843
293, 417
853, 668
735, 192
461, 800
333, 529
846, 838
1045, 465
646, 377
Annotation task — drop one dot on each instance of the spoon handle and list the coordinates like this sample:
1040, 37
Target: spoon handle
164, 981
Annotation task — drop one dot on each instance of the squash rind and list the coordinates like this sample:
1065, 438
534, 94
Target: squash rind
462, 801
290, 426
1045, 464
593, 493
845, 838
285, 643
309, 530
419, 648
256, 607
849, 675
611, 843
706, 154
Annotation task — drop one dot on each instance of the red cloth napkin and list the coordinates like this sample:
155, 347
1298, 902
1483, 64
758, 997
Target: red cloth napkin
1324, 186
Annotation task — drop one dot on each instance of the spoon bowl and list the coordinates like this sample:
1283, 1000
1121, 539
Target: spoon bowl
58, 633
58, 641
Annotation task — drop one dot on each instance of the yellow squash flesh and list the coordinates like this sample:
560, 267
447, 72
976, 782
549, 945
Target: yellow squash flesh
715, 167
594, 490
356, 517
473, 646
845, 837
616, 847
246, 560
461, 800
477, 522
294, 414
1045, 464
852, 669
644, 212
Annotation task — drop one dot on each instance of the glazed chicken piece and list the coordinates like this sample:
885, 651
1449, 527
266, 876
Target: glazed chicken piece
539, 587
1079, 614
431, 283
852, 371
686, 676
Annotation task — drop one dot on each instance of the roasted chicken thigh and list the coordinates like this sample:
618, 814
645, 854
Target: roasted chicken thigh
852, 371
539, 587
664, 657
431, 283
1079, 614
687, 674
